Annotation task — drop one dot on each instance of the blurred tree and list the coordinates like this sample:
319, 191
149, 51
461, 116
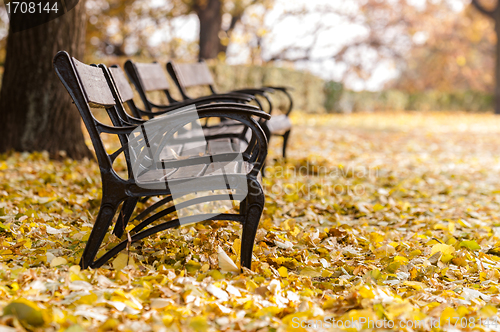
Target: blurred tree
494, 14
379, 32
36, 112
4, 30
215, 33
125, 27
457, 56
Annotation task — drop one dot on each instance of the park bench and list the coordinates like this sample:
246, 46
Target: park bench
90, 87
189, 75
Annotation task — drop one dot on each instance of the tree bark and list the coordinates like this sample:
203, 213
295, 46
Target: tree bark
497, 62
210, 16
36, 112
495, 15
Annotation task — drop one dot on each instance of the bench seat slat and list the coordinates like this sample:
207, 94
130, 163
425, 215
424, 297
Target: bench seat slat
168, 152
217, 130
196, 171
194, 149
222, 145
279, 124
229, 168
156, 175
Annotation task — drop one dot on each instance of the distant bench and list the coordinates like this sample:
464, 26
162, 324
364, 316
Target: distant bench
144, 76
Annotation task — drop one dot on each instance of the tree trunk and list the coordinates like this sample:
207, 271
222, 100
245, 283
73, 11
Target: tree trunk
497, 62
210, 15
36, 112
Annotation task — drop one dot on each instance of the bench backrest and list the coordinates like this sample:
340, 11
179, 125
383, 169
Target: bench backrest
148, 77
193, 74
88, 87
187, 75
122, 85
151, 76
125, 92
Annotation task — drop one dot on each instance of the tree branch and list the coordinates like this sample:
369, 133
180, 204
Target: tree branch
483, 10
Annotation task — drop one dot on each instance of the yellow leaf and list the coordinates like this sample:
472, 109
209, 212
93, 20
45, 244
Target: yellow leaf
199, 323
89, 299
237, 246
443, 248
401, 259
58, 261
26, 311
488, 311
446, 258
415, 284
283, 272
120, 261
448, 316
366, 292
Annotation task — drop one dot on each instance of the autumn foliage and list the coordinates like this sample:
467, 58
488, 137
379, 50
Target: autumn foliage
382, 216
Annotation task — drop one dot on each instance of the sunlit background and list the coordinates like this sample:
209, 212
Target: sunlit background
364, 55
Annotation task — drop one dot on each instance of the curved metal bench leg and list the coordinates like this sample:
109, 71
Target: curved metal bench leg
254, 204
124, 216
285, 142
104, 218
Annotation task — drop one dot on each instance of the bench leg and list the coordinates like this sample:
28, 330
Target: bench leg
101, 225
254, 204
124, 216
285, 142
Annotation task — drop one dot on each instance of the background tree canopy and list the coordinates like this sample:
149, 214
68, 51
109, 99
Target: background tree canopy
443, 45
437, 54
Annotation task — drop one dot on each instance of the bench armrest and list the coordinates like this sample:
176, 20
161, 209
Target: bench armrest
123, 130
281, 88
162, 109
241, 97
285, 90
253, 91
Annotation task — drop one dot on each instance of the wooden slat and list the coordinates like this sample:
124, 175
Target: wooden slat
217, 130
192, 171
196, 149
156, 175
239, 145
217, 146
168, 152
279, 124
122, 84
94, 84
152, 76
229, 168
193, 74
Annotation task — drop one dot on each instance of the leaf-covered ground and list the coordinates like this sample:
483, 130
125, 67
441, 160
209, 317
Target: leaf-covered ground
375, 218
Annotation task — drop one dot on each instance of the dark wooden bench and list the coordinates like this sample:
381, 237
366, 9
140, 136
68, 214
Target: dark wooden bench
94, 87
198, 74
